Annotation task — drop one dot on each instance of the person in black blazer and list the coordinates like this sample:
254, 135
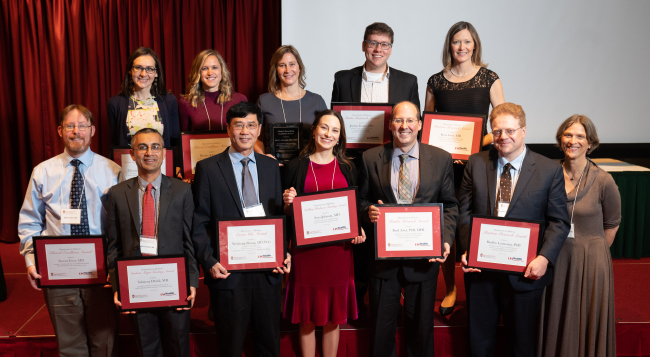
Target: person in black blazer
375, 81
159, 330
218, 180
143, 101
538, 194
431, 181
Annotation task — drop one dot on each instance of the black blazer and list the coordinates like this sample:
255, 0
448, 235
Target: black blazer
436, 185
539, 195
118, 109
401, 86
216, 197
174, 223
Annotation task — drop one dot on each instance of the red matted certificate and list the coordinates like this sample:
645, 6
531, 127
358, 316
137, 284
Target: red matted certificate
409, 231
366, 124
199, 145
122, 157
252, 243
502, 244
461, 135
153, 282
326, 216
70, 261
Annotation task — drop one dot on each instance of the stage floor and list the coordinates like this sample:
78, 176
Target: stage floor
26, 330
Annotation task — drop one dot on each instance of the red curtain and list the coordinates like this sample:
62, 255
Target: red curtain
57, 52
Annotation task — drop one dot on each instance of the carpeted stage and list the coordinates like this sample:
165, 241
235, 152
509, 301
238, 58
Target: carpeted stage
25, 328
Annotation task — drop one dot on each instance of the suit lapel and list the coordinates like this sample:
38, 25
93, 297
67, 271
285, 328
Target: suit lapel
426, 170
355, 84
165, 198
393, 89
491, 173
384, 165
229, 176
132, 198
527, 170
263, 184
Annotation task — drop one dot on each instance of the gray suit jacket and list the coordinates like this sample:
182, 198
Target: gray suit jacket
539, 195
436, 185
174, 223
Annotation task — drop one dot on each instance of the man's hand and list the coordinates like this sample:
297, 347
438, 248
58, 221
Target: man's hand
287, 266
118, 304
32, 275
108, 281
444, 255
189, 298
463, 265
360, 239
373, 212
537, 268
218, 272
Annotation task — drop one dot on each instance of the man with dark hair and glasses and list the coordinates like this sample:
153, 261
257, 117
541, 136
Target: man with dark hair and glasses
76, 181
375, 81
511, 181
239, 183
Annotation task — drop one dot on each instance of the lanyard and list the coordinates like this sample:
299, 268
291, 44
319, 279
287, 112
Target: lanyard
221, 120
311, 164
299, 108
575, 198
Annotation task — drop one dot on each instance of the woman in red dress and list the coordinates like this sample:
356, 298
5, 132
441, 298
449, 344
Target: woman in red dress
320, 291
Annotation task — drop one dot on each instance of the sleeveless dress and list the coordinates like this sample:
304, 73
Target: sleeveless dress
321, 282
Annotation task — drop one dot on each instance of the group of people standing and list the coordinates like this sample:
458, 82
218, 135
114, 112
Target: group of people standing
574, 198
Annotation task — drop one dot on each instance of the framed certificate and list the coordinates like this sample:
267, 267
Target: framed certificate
502, 244
70, 261
326, 216
409, 231
366, 124
199, 145
154, 282
285, 141
252, 243
122, 157
461, 135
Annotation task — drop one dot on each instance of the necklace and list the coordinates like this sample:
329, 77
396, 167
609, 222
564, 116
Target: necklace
206, 113
470, 71
311, 164
567, 171
299, 107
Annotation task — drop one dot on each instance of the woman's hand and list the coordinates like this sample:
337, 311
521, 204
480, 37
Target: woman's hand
360, 239
289, 195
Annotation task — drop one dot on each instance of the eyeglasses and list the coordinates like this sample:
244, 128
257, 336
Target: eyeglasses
384, 45
249, 126
400, 121
70, 127
154, 148
510, 132
149, 70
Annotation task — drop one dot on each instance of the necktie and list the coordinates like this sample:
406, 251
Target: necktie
404, 184
78, 200
247, 186
505, 187
148, 214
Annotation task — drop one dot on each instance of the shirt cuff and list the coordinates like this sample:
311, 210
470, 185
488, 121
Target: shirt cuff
29, 259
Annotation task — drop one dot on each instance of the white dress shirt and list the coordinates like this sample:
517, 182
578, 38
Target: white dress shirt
374, 86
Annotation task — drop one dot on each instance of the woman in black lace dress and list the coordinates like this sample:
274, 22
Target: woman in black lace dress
465, 85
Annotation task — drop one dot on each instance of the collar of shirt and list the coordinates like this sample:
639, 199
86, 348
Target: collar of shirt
236, 157
86, 159
156, 183
516, 166
414, 152
375, 77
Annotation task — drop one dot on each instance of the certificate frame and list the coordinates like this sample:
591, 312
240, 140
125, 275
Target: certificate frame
121, 265
477, 135
186, 154
273, 140
387, 108
118, 151
40, 261
474, 239
280, 249
437, 250
296, 209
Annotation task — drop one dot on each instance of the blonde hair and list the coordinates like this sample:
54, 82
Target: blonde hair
194, 89
447, 57
274, 84
513, 109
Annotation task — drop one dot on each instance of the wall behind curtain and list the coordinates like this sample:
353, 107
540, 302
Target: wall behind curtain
54, 53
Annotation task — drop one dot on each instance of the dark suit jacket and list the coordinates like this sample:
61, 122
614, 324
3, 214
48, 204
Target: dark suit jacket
401, 86
216, 198
539, 195
436, 185
174, 223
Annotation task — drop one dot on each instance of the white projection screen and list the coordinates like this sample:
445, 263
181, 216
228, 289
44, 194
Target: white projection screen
555, 58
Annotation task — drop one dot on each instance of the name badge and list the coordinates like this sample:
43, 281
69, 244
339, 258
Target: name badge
254, 211
502, 208
571, 232
70, 216
148, 245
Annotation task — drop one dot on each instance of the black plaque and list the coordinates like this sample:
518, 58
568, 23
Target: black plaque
285, 141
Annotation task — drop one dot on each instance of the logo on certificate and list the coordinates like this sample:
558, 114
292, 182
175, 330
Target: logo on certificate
515, 259
341, 228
